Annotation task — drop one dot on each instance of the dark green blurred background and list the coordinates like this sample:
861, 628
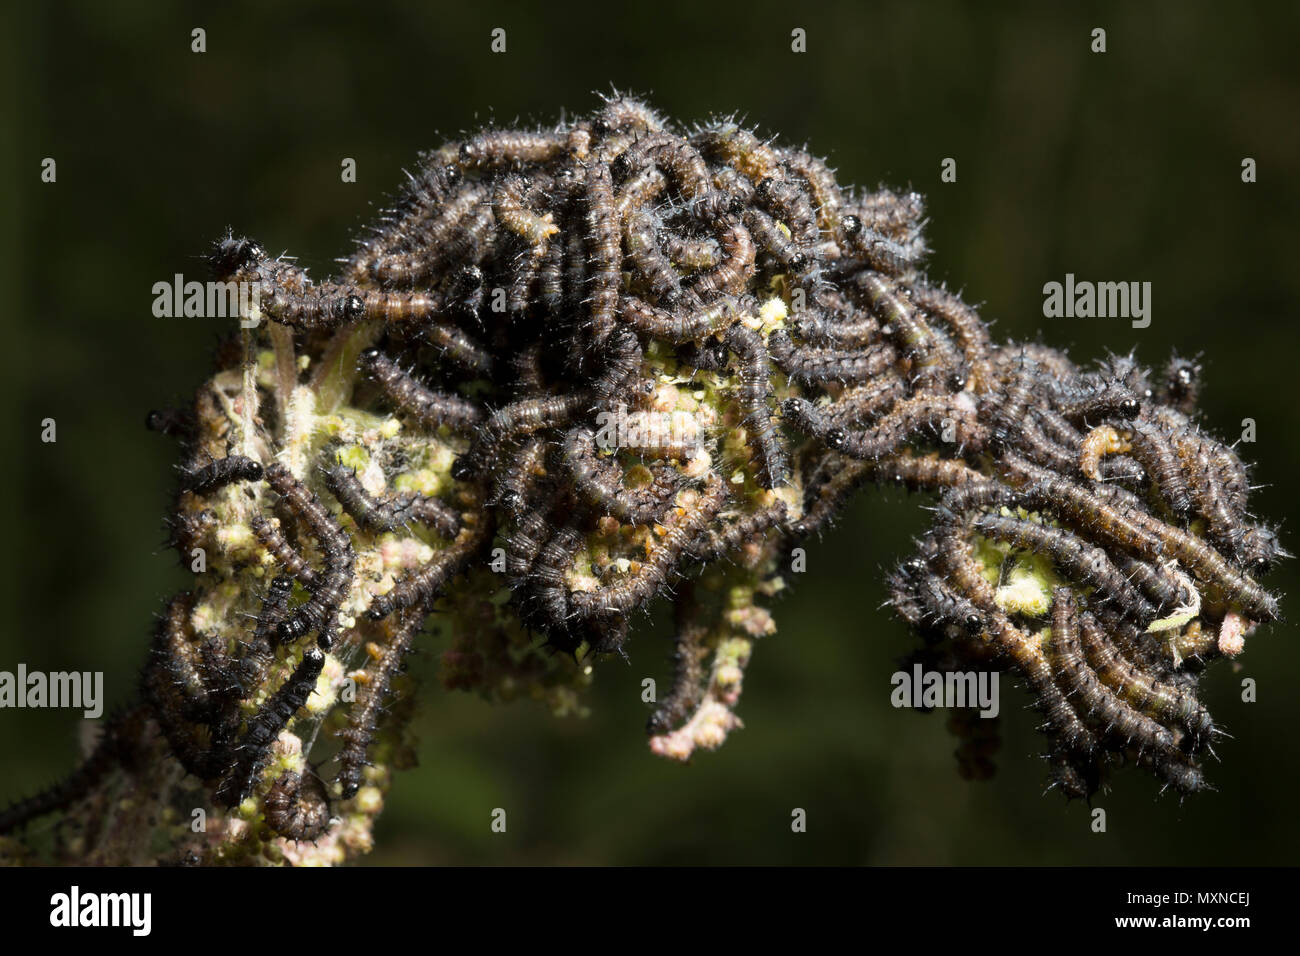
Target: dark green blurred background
1122, 166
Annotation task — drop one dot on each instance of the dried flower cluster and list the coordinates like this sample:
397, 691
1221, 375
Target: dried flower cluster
574, 369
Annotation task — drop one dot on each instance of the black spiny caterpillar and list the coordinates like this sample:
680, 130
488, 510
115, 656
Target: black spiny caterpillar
575, 369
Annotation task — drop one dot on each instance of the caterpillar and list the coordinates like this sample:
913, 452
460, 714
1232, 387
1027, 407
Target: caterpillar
363, 716
297, 806
332, 586
424, 585
790, 203
829, 365
771, 239
689, 655
254, 745
547, 588
517, 419
1076, 679
1180, 385
1152, 447
1087, 564
462, 223
681, 327
392, 512
172, 422
735, 266
620, 597
825, 327
222, 472
605, 254
904, 325
907, 420
601, 482
508, 147
426, 407
114, 740
284, 553
650, 266
755, 388
257, 656
513, 488
170, 671
713, 544
691, 253
1157, 698
399, 227
622, 364
458, 346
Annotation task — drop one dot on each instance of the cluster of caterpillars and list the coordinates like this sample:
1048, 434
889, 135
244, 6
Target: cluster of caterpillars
1142, 519
529, 287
